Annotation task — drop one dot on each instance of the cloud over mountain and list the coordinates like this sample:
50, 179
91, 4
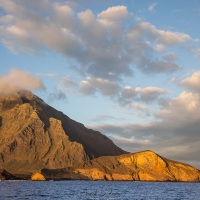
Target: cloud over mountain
19, 80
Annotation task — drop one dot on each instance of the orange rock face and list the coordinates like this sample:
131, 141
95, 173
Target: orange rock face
141, 166
37, 177
94, 174
122, 177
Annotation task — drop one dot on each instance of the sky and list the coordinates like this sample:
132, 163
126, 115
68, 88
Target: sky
129, 69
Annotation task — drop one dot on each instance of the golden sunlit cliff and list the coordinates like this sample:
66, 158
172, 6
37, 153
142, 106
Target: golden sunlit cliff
141, 166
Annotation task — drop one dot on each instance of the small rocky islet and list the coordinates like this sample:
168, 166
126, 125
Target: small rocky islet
38, 142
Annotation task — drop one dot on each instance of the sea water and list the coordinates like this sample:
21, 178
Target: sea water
86, 190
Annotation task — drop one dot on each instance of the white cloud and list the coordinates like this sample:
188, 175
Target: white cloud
149, 43
193, 82
158, 66
105, 87
63, 10
169, 37
18, 80
114, 13
16, 31
185, 107
87, 17
147, 95
137, 106
152, 7
148, 90
99, 44
161, 36
159, 47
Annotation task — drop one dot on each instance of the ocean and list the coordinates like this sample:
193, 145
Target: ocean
101, 190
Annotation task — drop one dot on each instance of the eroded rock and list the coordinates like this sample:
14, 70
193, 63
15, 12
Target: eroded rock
37, 177
141, 166
4, 175
34, 136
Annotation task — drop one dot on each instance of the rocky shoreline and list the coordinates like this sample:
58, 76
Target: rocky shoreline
141, 166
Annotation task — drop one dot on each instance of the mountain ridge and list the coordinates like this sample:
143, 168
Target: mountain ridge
47, 137
34, 137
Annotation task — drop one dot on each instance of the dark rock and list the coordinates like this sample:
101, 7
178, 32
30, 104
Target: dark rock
4, 175
62, 174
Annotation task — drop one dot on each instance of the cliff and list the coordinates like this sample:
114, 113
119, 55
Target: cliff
141, 166
34, 135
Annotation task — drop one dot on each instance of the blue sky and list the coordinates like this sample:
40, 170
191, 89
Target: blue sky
129, 69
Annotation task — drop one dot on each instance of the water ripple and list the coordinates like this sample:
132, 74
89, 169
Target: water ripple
91, 190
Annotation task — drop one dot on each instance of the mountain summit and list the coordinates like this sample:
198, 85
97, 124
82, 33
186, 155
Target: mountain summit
33, 135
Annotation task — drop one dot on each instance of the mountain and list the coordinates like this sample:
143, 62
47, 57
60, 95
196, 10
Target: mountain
141, 166
33, 135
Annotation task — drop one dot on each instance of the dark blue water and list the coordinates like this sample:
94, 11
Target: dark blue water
83, 190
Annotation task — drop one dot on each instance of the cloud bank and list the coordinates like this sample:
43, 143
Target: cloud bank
193, 82
101, 45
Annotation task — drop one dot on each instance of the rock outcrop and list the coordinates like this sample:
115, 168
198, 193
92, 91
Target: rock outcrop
37, 177
63, 174
34, 136
141, 166
4, 175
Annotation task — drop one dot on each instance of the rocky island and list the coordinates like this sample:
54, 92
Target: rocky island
34, 137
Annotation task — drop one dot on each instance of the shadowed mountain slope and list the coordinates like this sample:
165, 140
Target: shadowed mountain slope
34, 135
